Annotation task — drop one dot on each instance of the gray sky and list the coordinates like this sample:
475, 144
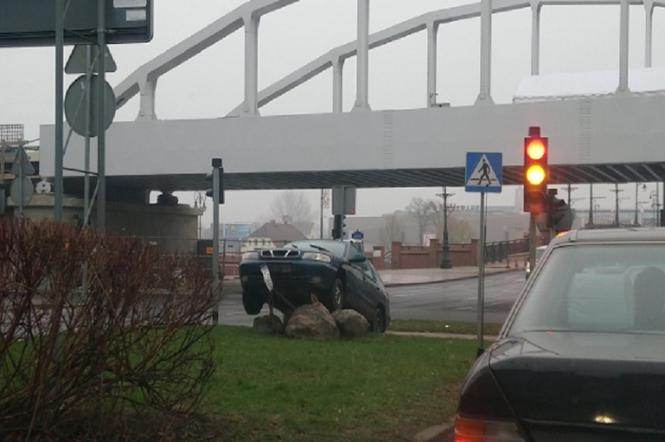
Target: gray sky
574, 39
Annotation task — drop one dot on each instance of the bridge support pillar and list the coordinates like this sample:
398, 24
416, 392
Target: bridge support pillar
251, 105
648, 38
147, 103
432, 35
338, 85
362, 84
535, 37
623, 46
485, 95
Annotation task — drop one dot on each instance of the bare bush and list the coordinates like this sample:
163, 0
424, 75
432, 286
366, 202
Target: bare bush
97, 332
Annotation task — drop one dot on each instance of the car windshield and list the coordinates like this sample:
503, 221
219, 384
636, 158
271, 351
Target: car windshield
334, 247
598, 288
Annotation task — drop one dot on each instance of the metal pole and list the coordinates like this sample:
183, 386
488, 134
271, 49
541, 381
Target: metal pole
624, 46
616, 204
101, 131
445, 240
88, 109
362, 71
481, 277
321, 213
19, 160
532, 241
59, 107
215, 224
590, 204
485, 94
637, 188
3, 199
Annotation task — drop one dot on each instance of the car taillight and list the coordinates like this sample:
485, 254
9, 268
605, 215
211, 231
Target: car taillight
476, 430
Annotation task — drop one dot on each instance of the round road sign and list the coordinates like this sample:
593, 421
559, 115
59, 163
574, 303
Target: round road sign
75, 105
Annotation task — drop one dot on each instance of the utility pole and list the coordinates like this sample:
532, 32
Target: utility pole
445, 256
636, 221
570, 191
616, 191
590, 223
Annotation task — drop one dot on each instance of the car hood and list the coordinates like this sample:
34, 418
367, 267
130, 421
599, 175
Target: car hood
584, 378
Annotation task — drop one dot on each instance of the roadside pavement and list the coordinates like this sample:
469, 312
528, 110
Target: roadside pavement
395, 278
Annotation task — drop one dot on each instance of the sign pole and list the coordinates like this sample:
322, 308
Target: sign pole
101, 132
59, 88
88, 109
481, 277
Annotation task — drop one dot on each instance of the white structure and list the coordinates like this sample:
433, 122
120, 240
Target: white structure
615, 137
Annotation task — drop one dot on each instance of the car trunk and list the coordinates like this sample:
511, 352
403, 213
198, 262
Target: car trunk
560, 383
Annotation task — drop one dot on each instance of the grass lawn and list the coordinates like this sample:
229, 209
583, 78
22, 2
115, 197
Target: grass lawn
379, 388
442, 327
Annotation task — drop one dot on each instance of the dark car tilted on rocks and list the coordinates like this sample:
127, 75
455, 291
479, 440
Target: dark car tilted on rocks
581, 357
335, 272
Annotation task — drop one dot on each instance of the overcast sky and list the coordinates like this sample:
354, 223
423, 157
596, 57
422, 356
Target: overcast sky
573, 39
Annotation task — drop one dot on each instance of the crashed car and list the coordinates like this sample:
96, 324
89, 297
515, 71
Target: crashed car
334, 272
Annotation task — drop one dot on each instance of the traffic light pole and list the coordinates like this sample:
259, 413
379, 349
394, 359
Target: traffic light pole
532, 241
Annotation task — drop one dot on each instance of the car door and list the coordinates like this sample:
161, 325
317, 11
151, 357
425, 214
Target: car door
370, 289
355, 287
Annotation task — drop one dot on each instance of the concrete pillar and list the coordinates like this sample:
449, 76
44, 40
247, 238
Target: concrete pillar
535, 38
362, 88
251, 106
432, 34
648, 40
623, 46
338, 85
485, 95
148, 89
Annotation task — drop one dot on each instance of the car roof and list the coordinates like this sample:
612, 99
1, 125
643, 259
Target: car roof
630, 234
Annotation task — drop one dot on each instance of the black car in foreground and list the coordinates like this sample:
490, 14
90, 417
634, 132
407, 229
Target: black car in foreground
581, 356
336, 272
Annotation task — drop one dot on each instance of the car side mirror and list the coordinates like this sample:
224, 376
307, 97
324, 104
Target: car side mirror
358, 259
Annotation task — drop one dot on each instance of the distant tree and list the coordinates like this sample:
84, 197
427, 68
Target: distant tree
423, 211
392, 230
459, 230
292, 207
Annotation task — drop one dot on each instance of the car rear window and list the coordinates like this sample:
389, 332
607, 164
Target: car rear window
598, 288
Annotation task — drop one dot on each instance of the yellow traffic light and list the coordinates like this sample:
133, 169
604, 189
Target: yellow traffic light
536, 174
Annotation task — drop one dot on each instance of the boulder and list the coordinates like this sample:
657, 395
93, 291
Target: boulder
268, 324
312, 321
350, 323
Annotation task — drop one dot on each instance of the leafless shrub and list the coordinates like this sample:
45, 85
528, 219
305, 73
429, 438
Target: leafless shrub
97, 332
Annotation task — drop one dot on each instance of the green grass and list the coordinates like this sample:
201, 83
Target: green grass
469, 328
379, 388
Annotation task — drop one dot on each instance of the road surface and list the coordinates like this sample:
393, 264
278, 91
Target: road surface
449, 301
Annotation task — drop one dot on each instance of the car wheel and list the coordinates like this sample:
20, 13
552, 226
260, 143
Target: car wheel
337, 296
253, 303
379, 322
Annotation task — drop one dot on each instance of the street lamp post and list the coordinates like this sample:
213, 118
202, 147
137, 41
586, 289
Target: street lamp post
446, 263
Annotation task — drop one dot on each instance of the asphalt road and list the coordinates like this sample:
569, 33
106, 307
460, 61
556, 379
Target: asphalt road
449, 301
457, 300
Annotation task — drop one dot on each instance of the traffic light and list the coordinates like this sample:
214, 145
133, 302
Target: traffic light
536, 172
217, 164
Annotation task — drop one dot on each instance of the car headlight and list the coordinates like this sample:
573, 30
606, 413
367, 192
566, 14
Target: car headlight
321, 257
250, 256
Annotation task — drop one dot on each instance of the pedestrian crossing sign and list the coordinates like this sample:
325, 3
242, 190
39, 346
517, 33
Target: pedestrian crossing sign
484, 172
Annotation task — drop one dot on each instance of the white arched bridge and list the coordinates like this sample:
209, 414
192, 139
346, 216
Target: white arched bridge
612, 137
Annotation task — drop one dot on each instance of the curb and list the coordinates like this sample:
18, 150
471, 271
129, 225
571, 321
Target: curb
440, 281
438, 335
437, 433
